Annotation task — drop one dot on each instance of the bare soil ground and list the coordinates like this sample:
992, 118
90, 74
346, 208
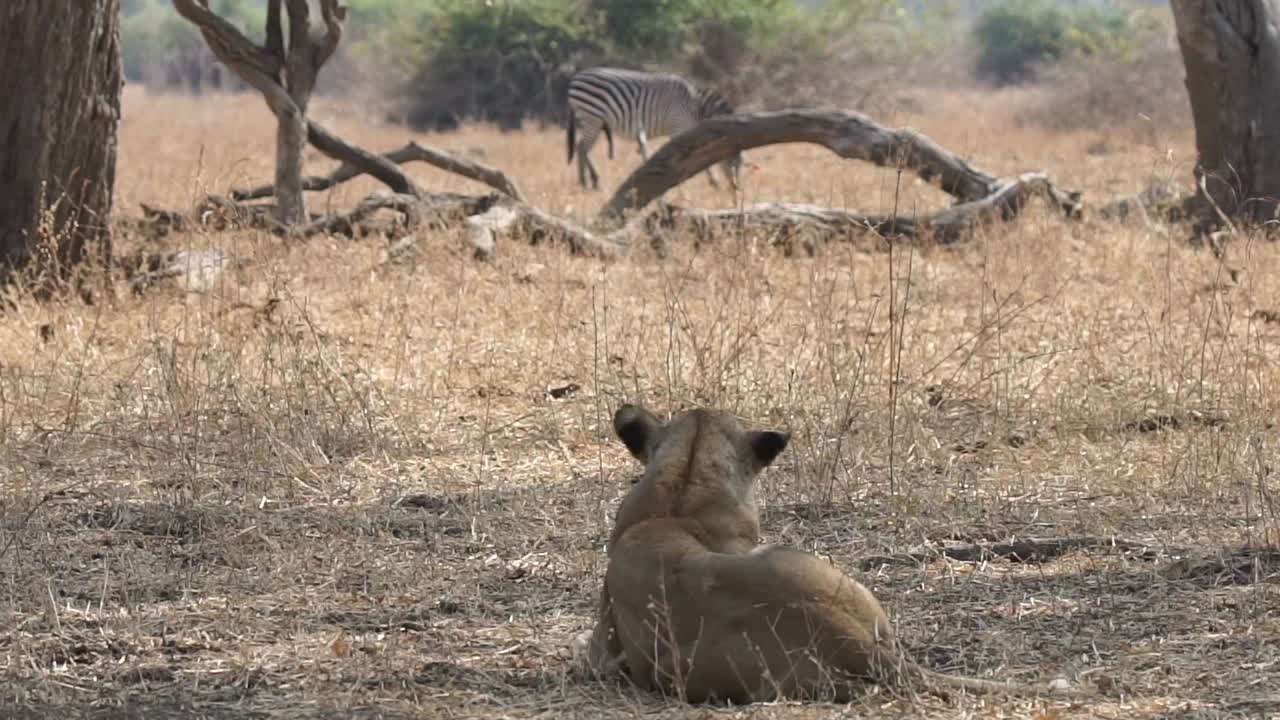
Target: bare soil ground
337, 485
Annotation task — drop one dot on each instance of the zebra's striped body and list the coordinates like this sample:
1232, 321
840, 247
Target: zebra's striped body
642, 105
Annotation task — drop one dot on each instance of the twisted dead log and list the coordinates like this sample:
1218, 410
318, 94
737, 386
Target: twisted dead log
783, 221
851, 135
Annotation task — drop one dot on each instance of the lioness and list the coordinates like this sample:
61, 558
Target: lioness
692, 606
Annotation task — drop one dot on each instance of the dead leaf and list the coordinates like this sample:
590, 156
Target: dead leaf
340, 647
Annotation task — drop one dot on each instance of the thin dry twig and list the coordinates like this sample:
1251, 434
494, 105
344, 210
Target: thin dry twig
1027, 550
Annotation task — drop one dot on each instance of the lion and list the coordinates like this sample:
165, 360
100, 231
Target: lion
692, 606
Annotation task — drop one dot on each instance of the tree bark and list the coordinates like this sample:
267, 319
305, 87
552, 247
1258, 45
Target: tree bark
58, 120
1231, 52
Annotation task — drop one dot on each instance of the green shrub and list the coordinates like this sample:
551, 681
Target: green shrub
498, 60
1015, 37
505, 60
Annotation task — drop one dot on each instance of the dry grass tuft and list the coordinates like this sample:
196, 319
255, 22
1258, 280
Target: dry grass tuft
1143, 95
336, 486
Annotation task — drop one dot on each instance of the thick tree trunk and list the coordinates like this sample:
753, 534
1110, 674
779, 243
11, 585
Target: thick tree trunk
60, 85
1232, 55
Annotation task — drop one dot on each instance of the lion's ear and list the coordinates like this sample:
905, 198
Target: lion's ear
635, 427
766, 445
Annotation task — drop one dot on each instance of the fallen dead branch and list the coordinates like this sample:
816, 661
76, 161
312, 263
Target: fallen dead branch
785, 221
411, 152
1159, 200
486, 216
350, 223
848, 134
1029, 550
982, 196
1230, 566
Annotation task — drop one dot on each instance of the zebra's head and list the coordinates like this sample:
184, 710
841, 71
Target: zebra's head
712, 103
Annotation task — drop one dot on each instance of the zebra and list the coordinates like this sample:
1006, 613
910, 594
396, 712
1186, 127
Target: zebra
642, 105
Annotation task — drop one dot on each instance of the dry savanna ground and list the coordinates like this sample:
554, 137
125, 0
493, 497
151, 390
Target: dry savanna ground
338, 484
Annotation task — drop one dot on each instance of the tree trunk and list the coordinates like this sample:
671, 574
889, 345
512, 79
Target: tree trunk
61, 105
263, 68
1232, 56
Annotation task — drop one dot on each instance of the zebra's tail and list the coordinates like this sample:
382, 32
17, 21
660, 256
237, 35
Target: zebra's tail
571, 131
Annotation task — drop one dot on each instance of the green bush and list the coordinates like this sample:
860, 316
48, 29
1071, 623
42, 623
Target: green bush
746, 48
505, 60
1016, 37
497, 61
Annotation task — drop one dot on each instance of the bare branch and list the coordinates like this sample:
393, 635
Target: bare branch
299, 25
480, 214
255, 65
363, 160
229, 44
470, 169
334, 14
847, 134
302, 70
275, 32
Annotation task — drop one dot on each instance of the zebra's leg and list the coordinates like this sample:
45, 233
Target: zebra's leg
711, 178
587, 169
644, 146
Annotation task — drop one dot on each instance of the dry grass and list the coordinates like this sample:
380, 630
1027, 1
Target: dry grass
203, 509
1138, 94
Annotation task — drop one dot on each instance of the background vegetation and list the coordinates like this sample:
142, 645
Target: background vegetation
1015, 38
436, 63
